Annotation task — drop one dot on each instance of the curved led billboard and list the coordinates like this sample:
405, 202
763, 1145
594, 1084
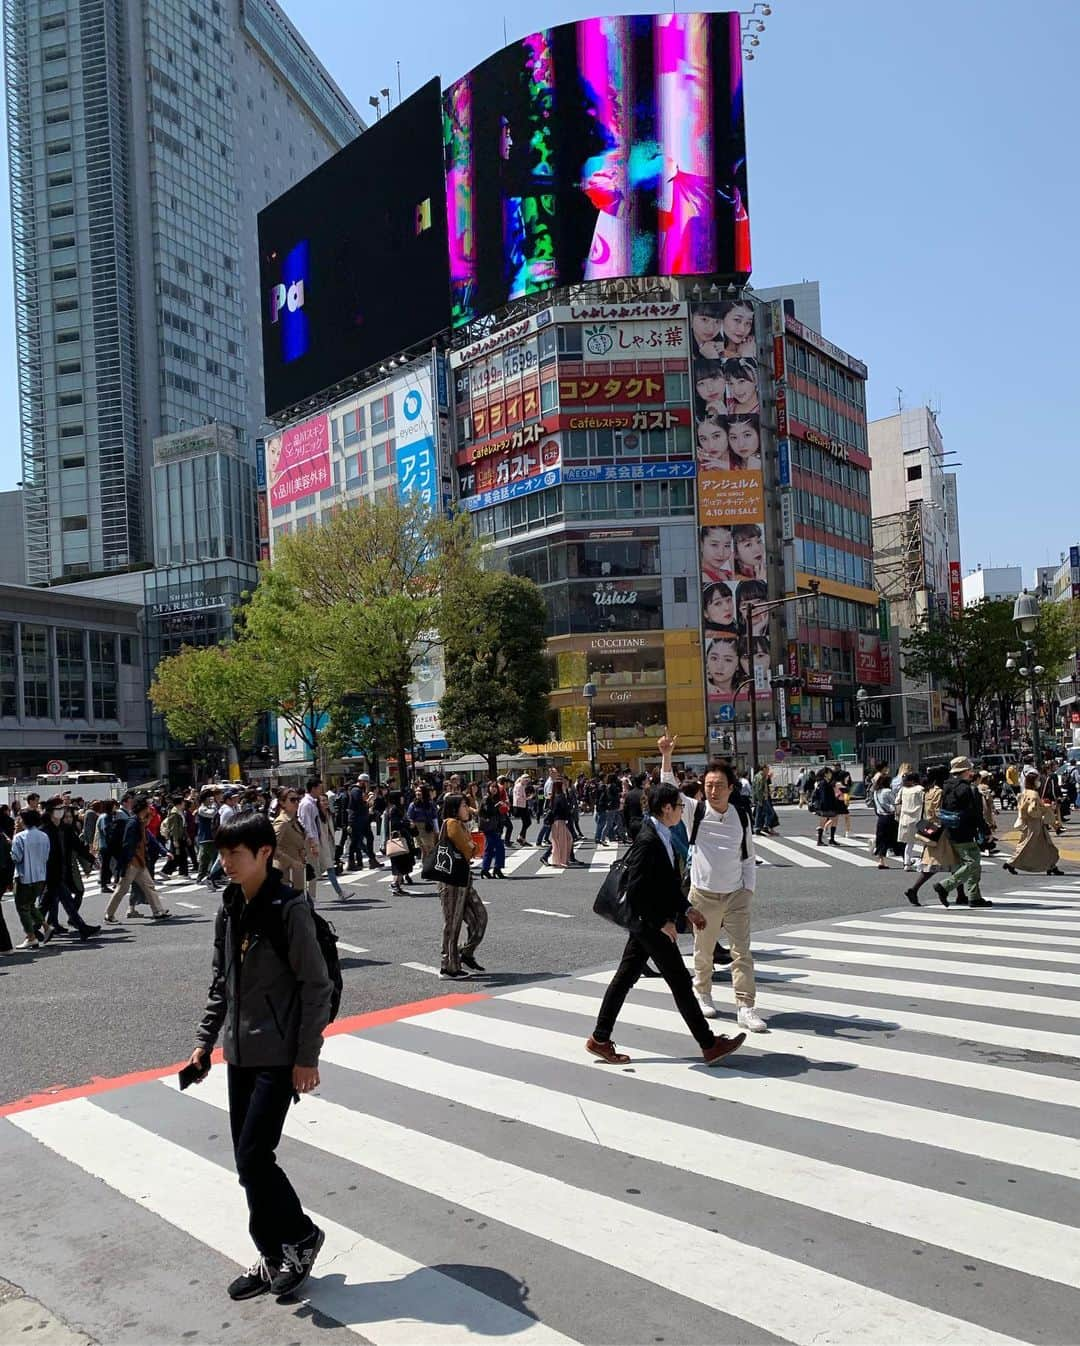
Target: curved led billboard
611, 147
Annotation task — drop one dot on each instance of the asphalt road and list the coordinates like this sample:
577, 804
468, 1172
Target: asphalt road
130, 1000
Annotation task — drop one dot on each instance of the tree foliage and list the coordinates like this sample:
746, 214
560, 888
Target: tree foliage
211, 695
349, 609
497, 678
967, 655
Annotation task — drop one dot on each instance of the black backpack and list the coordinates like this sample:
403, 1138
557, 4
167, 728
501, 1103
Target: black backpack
326, 937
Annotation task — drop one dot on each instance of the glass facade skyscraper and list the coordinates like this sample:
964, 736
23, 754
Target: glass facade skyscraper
144, 136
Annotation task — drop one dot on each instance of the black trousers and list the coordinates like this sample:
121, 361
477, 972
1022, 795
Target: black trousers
525, 819
665, 954
360, 842
259, 1100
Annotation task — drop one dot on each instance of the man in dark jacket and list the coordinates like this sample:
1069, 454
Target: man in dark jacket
962, 817
633, 808
361, 842
58, 891
656, 898
134, 870
273, 1019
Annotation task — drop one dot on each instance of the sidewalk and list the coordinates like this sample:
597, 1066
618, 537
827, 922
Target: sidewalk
25, 1320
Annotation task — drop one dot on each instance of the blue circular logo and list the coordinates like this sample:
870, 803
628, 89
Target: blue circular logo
412, 405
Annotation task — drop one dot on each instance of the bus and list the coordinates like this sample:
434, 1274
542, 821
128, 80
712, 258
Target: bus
82, 785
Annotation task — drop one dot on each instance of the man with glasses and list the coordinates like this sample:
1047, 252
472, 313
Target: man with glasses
722, 879
654, 892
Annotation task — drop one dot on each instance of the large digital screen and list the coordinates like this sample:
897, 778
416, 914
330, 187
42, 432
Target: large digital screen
353, 259
612, 147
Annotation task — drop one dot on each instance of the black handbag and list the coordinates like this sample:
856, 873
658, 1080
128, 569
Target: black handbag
444, 863
928, 830
611, 901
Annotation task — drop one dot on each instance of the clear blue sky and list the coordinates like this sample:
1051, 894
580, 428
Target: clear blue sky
917, 159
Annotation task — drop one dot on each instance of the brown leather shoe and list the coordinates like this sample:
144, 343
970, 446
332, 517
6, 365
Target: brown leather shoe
606, 1052
722, 1047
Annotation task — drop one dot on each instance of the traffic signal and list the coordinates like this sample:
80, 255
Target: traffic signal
788, 684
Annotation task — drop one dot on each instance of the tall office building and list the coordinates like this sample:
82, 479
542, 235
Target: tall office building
144, 136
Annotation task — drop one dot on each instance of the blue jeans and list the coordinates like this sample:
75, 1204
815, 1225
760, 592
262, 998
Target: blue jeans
494, 852
601, 824
331, 874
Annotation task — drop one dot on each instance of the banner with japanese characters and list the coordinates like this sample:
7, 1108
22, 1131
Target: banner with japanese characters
298, 461
731, 503
414, 434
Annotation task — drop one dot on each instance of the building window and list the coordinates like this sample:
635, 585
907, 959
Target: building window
52, 22
9, 691
680, 594
62, 241
65, 273
37, 703
103, 675
915, 473
74, 523
71, 667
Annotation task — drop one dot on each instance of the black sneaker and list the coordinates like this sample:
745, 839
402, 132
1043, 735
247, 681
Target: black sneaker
297, 1259
460, 975
255, 1281
471, 963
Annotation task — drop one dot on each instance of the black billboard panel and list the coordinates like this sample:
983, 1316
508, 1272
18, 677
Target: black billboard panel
353, 259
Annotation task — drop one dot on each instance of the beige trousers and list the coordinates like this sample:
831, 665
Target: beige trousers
135, 876
730, 912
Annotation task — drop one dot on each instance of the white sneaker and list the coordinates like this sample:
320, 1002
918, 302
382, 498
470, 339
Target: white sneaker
751, 1020
708, 1007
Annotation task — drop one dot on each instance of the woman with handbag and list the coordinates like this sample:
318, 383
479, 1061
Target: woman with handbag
492, 817
826, 805
1035, 853
449, 866
938, 855
424, 816
909, 812
292, 846
560, 851
400, 846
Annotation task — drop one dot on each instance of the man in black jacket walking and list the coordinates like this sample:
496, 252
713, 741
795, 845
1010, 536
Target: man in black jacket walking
655, 894
962, 816
273, 1017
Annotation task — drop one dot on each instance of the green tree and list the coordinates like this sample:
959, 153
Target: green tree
497, 678
211, 695
966, 655
350, 608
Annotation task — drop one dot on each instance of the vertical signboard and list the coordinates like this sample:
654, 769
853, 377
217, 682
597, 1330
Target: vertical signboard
956, 590
731, 501
414, 437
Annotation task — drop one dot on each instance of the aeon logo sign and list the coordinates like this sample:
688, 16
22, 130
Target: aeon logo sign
286, 300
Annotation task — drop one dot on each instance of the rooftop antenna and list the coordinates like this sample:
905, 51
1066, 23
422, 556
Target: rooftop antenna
899, 398
504, 30
399, 82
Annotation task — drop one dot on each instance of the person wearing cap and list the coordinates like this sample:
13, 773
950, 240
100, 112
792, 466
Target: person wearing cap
962, 816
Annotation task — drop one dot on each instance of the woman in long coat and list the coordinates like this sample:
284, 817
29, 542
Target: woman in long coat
1036, 853
909, 811
938, 856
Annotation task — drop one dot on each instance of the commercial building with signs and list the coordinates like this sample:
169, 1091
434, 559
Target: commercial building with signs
917, 561
71, 684
143, 138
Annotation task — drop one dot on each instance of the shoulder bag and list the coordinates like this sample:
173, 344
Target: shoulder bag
444, 863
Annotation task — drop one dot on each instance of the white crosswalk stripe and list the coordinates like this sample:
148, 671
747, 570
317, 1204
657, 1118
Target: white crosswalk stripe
846, 855
772, 847
925, 1121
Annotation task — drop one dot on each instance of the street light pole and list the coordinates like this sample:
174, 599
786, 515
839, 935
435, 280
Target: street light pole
1026, 619
752, 609
588, 692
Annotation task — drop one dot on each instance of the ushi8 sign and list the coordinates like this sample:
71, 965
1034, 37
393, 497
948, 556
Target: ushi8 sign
731, 502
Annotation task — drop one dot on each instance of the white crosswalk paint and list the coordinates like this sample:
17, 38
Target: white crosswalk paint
846, 856
995, 927
937, 926
937, 943
539, 911
771, 847
1048, 890
915, 963
1014, 1145
402, 1301
351, 948
516, 859
1026, 1243
788, 1298
795, 978
865, 1053
189, 906
422, 967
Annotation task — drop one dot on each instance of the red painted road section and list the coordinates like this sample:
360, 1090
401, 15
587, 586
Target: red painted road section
357, 1024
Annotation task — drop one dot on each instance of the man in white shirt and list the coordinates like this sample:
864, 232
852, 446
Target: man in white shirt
310, 820
723, 875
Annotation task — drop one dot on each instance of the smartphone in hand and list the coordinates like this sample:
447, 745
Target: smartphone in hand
192, 1074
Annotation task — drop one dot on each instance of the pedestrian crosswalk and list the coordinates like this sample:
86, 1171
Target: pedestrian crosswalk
897, 1161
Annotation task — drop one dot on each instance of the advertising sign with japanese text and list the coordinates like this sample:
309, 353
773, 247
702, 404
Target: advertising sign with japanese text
508, 468
298, 461
956, 589
731, 501
611, 390
414, 437
633, 340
